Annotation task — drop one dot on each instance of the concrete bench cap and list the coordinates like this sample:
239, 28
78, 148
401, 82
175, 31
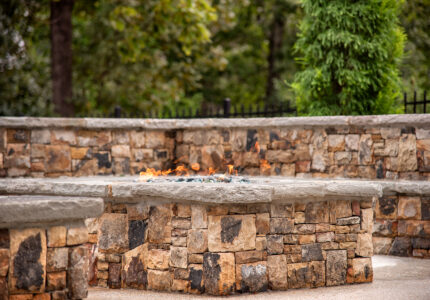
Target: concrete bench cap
32, 210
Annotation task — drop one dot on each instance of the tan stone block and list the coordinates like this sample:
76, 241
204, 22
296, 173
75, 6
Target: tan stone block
195, 258
63, 136
57, 158
21, 297
244, 257
252, 277
336, 142
179, 241
199, 216
292, 249
121, 151
158, 259
361, 270
414, 228
81, 153
262, 223
367, 219
281, 225
381, 245
113, 233
299, 217
317, 212
281, 210
57, 259
37, 151
277, 272
182, 223
407, 158
137, 139
304, 228
183, 210
339, 209
409, 208
197, 241
364, 245
329, 246
260, 243
325, 237
222, 281
25, 277
77, 235
155, 139
321, 227
4, 262
292, 239
218, 210
56, 281
231, 233
336, 267
288, 170
342, 229
18, 136
90, 138
348, 245
159, 280
102, 266
178, 257
307, 239
179, 285
160, 225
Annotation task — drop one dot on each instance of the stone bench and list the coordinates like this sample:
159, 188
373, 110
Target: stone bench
271, 233
43, 250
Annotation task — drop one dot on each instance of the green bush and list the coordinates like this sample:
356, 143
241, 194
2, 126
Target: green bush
350, 53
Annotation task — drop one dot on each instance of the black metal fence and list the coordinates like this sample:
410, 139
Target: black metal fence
226, 111
416, 106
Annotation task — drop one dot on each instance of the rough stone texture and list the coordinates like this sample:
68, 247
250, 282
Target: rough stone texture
197, 241
77, 235
178, 257
381, 245
159, 280
317, 212
114, 279
231, 233
407, 159
136, 233
275, 244
262, 223
360, 271
219, 273
57, 259
158, 259
336, 267
301, 275
364, 245
27, 265
77, 274
57, 236
134, 268
312, 252
113, 233
409, 208
277, 271
159, 225
252, 277
56, 281
401, 246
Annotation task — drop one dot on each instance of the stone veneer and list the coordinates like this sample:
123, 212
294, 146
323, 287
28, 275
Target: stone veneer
40, 259
224, 249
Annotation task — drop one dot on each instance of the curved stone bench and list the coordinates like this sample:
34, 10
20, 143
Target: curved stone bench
42, 245
217, 238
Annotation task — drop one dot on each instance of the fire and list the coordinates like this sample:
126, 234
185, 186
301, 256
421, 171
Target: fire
195, 166
264, 165
257, 147
211, 171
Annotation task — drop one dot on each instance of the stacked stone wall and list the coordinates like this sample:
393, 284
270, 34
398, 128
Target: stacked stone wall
228, 249
39, 263
402, 226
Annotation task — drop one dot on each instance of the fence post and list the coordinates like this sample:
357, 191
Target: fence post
227, 106
425, 101
117, 112
405, 99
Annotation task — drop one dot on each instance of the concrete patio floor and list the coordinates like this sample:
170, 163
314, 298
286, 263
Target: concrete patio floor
394, 278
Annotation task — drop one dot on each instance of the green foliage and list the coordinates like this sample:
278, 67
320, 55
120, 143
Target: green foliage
350, 53
139, 54
415, 67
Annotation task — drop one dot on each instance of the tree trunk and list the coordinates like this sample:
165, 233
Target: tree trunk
61, 56
275, 44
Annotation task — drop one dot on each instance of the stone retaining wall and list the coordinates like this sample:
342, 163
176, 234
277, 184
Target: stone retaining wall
393, 147
402, 226
226, 249
44, 263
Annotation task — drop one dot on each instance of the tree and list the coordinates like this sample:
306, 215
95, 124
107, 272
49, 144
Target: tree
350, 52
61, 56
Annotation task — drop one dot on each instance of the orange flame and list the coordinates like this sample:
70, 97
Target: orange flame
230, 169
257, 147
211, 171
195, 166
264, 165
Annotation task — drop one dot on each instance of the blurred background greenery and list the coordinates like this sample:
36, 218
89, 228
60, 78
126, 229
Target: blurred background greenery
160, 54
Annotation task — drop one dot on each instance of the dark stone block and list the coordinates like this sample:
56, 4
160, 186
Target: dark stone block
211, 272
425, 208
196, 280
387, 205
317, 212
380, 170
230, 228
225, 135
281, 225
421, 243
254, 278
4, 295
136, 233
275, 244
408, 130
4, 238
401, 247
27, 268
273, 136
103, 160
312, 252
114, 279
161, 154
251, 139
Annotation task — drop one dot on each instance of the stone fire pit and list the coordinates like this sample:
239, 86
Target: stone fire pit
220, 238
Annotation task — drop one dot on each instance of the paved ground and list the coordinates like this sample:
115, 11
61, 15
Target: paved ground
394, 278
